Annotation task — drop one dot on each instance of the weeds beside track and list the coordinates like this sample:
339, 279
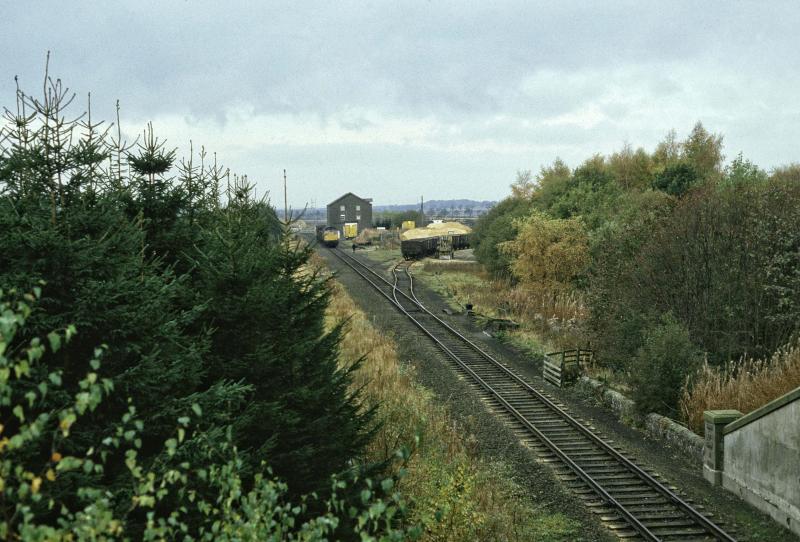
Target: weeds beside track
632, 502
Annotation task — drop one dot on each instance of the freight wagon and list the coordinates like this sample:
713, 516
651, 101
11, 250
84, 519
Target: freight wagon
416, 249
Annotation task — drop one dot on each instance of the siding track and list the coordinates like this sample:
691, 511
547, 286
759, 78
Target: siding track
631, 501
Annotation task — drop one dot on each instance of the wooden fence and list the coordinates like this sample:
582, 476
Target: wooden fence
561, 368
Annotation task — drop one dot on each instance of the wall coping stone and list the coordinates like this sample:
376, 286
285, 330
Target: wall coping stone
760, 412
721, 416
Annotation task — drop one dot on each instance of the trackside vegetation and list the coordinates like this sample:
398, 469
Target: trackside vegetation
675, 267
451, 493
165, 368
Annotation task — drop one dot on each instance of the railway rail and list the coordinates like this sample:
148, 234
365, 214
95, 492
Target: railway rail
630, 500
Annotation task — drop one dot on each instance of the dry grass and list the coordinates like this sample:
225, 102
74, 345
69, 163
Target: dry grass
554, 317
454, 494
745, 385
449, 266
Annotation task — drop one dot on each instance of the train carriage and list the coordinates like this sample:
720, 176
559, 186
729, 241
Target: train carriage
328, 236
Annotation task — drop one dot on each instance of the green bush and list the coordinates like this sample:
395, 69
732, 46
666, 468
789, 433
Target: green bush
496, 227
201, 299
676, 179
163, 502
659, 370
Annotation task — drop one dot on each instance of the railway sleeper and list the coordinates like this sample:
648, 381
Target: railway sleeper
612, 469
572, 443
614, 484
677, 533
553, 428
614, 515
601, 460
641, 497
533, 406
648, 507
590, 454
636, 490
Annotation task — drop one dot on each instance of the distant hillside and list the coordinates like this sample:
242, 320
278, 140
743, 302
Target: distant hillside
438, 204
465, 207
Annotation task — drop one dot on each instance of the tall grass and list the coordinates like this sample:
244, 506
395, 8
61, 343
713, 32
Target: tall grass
453, 493
744, 385
555, 317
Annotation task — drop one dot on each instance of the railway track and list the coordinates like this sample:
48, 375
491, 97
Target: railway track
631, 500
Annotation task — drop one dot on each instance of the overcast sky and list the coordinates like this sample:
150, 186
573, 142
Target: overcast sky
393, 100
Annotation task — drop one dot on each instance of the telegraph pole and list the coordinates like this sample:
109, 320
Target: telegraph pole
285, 202
422, 212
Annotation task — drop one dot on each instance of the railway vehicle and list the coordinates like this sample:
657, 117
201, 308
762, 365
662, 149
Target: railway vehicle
350, 230
328, 236
416, 249
461, 241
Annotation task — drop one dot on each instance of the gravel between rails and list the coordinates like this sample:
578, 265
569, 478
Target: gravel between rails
493, 439
677, 468
496, 441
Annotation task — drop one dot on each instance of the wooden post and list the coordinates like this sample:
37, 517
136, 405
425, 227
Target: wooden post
285, 202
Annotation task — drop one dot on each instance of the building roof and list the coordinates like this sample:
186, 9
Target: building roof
365, 200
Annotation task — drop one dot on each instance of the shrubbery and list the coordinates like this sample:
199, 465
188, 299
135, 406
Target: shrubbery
669, 232
204, 305
198, 489
661, 365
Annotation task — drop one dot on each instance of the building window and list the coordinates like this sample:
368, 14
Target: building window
358, 207
341, 216
341, 207
358, 217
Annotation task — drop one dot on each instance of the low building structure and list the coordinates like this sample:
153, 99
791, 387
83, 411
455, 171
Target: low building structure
349, 209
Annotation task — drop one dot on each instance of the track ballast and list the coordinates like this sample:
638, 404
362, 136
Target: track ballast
631, 501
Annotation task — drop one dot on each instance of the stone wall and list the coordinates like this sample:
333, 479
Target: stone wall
761, 459
655, 425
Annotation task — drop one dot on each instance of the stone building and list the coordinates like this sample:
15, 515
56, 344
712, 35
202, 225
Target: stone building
350, 208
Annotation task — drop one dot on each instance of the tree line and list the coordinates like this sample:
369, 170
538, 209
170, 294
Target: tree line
678, 257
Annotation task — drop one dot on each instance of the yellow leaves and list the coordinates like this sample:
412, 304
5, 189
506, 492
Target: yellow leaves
50, 475
64, 425
55, 457
548, 252
66, 422
36, 483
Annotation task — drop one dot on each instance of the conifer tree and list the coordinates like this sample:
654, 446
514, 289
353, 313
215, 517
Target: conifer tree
268, 315
86, 252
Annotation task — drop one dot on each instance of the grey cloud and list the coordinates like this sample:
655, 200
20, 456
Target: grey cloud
460, 63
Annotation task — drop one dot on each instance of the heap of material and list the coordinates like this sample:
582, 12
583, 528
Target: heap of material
367, 236
435, 230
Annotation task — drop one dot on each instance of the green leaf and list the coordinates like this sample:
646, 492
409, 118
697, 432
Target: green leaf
197, 410
55, 341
